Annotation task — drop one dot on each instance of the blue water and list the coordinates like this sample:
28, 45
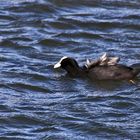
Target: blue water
38, 102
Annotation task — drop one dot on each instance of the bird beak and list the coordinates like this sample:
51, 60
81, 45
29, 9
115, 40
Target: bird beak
57, 65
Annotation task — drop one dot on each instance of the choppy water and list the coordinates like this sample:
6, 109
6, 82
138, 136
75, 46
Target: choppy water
38, 102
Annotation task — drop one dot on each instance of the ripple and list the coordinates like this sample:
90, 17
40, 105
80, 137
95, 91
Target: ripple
33, 7
61, 25
25, 87
126, 105
52, 42
38, 102
79, 35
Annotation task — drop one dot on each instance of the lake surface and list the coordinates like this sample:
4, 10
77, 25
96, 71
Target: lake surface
38, 102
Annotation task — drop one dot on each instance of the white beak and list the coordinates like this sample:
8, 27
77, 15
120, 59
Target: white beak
57, 65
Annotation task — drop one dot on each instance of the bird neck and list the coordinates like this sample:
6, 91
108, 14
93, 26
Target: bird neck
74, 71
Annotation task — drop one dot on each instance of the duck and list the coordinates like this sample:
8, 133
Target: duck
104, 68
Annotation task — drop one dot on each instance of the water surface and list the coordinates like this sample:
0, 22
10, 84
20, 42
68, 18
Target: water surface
38, 102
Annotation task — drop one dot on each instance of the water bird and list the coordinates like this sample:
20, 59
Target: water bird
104, 68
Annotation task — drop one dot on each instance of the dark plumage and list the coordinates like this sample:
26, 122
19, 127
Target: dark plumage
71, 66
115, 72
97, 71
